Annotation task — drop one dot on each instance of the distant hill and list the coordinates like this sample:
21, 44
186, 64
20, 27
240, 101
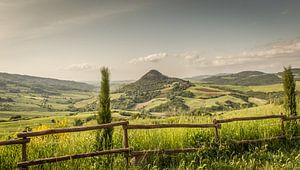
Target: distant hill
296, 72
151, 81
29, 93
114, 85
201, 77
245, 78
25, 83
148, 87
197, 78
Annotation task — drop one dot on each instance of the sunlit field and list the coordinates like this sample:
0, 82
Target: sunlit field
277, 154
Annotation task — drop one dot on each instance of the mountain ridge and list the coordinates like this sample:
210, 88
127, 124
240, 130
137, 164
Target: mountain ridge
245, 78
27, 81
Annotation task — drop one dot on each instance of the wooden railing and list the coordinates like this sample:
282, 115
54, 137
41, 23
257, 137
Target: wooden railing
216, 125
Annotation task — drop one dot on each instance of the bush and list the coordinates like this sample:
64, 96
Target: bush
123, 102
174, 105
90, 118
186, 94
122, 113
15, 118
78, 122
27, 129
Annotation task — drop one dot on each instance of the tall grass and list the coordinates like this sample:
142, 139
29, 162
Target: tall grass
269, 155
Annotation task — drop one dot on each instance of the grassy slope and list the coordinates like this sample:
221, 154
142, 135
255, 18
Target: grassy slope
29, 93
200, 90
38, 119
153, 139
272, 88
261, 156
244, 78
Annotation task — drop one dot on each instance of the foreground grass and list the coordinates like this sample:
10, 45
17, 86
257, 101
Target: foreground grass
271, 155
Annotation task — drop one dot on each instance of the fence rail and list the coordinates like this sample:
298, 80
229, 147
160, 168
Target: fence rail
72, 129
291, 118
69, 157
248, 118
160, 126
216, 125
14, 142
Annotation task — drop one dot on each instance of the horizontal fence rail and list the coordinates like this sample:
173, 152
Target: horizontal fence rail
291, 118
160, 126
14, 141
126, 149
248, 118
70, 157
73, 129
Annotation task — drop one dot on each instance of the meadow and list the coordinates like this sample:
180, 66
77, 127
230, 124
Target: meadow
269, 155
76, 108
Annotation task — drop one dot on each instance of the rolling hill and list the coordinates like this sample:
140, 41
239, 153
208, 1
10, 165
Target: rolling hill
38, 84
245, 78
151, 81
29, 93
151, 85
296, 72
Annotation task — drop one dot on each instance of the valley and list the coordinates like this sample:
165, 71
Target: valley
39, 101
153, 99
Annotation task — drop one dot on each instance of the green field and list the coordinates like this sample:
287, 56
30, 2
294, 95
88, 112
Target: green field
32, 111
272, 88
270, 155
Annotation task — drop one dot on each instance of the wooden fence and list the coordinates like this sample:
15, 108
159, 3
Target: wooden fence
216, 125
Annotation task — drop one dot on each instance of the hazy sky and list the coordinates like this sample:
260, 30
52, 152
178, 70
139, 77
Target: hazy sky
72, 39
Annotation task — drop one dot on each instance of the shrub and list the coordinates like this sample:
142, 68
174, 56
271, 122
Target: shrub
93, 117
122, 113
78, 122
15, 118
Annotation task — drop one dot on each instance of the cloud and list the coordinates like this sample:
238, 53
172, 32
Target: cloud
153, 58
276, 53
82, 67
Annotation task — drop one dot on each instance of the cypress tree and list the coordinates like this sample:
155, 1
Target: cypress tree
104, 136
289, 86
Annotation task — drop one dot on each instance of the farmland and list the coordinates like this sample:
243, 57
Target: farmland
198, 103
269, 155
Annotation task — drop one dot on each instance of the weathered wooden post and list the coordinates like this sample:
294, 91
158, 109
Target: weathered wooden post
24, 153
125, 143
282, 123
216, 130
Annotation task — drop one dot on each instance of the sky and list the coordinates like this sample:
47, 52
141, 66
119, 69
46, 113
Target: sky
73, 39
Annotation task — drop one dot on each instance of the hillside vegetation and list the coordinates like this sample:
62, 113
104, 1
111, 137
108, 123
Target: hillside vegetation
245, 78
153, 99
269, 155
24, 83
155, 94
249, 78
28, 93
296, 73
148, 87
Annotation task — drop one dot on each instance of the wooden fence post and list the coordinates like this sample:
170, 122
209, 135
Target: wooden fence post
216, 131
24, 153
125, 143
282, 124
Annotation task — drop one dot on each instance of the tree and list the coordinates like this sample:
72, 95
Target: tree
104, 136
289, 86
